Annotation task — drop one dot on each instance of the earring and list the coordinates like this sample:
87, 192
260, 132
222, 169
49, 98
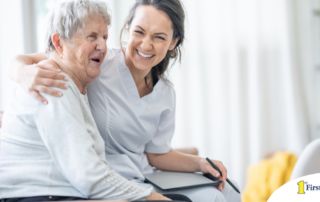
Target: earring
61, 55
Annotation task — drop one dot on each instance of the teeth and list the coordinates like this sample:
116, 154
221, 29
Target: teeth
143, 55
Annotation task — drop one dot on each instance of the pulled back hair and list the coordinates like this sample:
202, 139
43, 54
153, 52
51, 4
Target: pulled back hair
174, 9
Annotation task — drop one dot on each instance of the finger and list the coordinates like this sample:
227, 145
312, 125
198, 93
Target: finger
167, 199
48, 67
49, 91
223, 184
37, 95
214, 172
220, 187
223, 170
53, 83
224, 173
51, 74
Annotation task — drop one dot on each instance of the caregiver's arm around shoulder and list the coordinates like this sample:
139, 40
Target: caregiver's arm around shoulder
34, 77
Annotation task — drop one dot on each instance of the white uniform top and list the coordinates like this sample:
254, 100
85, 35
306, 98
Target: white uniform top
131, 125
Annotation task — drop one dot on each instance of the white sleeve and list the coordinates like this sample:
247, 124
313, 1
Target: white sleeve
161, 141
61, 127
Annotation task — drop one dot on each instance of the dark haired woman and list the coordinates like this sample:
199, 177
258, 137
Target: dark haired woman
132, 103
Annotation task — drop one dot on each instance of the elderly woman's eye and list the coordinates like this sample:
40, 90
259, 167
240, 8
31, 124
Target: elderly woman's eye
92, 36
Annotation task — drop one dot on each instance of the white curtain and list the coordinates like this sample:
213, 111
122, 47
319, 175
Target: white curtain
243, 88
11, 44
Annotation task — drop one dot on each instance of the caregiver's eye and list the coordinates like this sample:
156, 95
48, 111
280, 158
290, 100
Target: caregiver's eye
159, 37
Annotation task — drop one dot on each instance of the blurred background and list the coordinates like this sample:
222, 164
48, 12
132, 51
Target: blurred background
248, 83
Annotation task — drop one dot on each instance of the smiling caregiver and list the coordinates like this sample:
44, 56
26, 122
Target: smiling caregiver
132, 102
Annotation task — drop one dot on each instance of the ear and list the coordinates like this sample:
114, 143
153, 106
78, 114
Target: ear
127, 30
174, 43
58, 45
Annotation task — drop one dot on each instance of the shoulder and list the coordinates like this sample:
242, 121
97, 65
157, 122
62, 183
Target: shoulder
165, 92
167, 87
112, 58
112, 54
70, 95
114, 51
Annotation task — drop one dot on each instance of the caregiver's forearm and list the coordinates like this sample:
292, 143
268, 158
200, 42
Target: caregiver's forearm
175, 161
16, 66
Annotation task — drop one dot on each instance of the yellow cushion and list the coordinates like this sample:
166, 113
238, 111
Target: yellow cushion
267, 176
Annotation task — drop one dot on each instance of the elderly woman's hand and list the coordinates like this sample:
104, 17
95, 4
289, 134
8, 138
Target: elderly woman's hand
39, 77
205, 167
155, 197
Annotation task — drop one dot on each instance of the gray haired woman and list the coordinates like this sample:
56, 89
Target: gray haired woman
54, 151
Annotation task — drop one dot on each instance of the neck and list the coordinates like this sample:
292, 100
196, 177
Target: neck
139, 76
71, 71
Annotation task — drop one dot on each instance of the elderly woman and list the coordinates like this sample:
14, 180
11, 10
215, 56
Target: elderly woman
54, 151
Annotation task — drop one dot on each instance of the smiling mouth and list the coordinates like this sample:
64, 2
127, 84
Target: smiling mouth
144, 55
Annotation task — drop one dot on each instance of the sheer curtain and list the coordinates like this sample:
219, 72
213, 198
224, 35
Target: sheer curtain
11, 43
243, 88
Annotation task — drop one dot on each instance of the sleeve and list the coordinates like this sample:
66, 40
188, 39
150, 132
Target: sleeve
62, 129
161, 141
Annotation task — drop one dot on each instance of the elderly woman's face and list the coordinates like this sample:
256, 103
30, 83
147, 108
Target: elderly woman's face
88, 49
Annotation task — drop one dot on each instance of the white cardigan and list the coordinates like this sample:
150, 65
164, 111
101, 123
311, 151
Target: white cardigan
56, 149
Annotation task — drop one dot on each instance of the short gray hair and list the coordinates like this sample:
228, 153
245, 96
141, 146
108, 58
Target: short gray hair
69, 17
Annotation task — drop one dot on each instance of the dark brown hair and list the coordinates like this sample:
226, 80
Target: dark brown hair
174, 9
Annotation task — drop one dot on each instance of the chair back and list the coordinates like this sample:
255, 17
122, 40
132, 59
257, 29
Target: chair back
308, 162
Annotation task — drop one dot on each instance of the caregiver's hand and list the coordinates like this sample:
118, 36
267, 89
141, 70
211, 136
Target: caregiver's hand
205, 167
39, 77
156, 196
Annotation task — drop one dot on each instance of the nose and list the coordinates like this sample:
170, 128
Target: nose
101, 45
146, 44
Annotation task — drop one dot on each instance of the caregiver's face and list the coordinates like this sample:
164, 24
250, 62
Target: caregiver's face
88, 49
149, 38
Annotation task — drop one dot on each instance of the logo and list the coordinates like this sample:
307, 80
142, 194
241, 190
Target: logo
304, 186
